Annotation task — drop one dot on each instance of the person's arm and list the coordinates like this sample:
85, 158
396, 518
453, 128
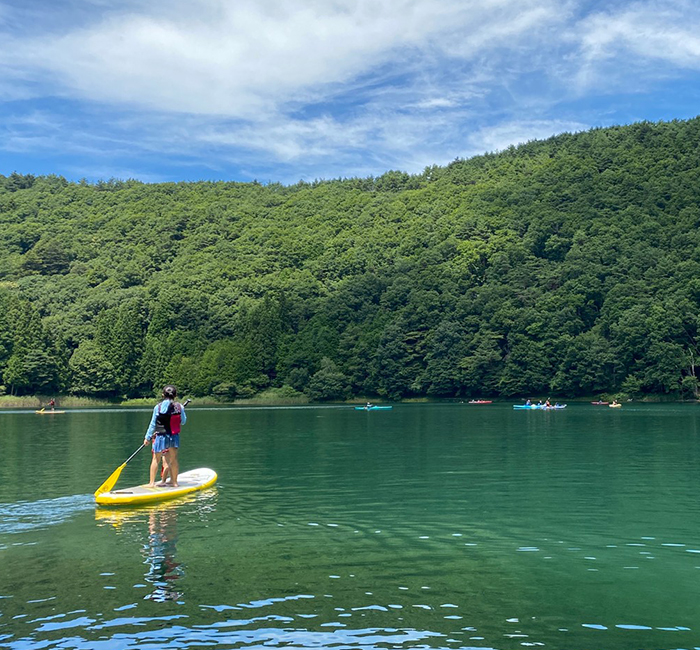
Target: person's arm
152, 426
183, 415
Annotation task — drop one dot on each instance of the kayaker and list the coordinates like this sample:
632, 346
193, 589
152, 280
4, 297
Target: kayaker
52, 403
166, 420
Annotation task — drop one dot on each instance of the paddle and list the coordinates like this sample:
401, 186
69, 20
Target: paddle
114, 476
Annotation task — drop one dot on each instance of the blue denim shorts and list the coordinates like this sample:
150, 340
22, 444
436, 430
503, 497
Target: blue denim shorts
161, 443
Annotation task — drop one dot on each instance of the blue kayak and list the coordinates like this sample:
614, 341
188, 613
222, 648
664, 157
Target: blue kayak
373, 408
540, 407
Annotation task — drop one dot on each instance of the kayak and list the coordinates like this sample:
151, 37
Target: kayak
600, 403
373, 408
480, 401
195, 479
540, 407
615, 406
48, 412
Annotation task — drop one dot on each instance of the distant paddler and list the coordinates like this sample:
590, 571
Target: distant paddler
51, 406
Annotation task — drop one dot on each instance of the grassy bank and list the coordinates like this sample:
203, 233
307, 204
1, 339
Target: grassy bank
37, 402
274, 397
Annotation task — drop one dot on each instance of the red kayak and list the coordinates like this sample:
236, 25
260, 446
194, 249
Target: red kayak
480, 401
600, 403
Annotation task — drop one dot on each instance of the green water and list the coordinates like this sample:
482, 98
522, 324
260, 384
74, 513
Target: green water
436, 526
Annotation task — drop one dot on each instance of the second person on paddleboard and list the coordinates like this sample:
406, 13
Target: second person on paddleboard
164, 430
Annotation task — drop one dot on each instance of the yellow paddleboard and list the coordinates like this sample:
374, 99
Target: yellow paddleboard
195, 479
48, 412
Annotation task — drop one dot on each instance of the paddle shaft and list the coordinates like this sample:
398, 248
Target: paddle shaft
134, 454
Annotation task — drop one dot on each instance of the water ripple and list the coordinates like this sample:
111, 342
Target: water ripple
223, 633
23, 516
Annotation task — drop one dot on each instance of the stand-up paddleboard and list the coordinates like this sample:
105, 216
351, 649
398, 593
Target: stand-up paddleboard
49, 412
195, 479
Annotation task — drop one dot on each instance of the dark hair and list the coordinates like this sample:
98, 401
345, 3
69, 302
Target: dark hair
170, 391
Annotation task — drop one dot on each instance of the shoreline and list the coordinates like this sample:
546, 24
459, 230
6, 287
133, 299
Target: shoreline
69, 401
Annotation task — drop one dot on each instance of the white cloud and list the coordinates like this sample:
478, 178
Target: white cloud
501, 136
326, 87
237, 59
648, 30
436, 102
635, 43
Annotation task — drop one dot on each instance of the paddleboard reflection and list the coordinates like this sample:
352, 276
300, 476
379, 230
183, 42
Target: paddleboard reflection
157, 528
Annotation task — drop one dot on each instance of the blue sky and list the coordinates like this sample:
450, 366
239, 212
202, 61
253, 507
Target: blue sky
283, 90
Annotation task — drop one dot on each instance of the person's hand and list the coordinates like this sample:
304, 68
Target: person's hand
146, 441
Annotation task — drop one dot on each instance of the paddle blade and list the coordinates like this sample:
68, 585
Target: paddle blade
111, 481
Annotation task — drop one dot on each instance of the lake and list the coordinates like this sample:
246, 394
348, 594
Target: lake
427, 526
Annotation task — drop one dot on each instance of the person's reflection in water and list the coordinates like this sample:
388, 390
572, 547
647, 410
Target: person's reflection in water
163, 571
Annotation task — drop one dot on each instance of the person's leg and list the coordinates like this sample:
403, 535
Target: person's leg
165, 471
155, 459
174, 466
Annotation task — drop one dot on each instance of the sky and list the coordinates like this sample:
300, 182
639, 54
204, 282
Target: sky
289, 90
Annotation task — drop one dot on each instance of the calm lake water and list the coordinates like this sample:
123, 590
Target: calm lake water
433, 526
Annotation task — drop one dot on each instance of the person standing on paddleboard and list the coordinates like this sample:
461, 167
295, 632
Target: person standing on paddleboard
165, 424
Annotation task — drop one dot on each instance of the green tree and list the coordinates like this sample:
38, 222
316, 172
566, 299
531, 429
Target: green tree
446, 347
396, 364
589, 366
33, 371
120, 335
91, 372
49, 256
329, 383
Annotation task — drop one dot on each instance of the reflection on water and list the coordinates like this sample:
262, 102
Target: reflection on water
160, 550
157, 526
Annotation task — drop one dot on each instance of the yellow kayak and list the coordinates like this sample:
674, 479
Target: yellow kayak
42, 412
195, 479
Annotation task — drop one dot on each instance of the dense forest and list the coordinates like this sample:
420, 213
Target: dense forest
567, 267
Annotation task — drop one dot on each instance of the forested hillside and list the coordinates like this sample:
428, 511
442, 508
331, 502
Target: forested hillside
566, 267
